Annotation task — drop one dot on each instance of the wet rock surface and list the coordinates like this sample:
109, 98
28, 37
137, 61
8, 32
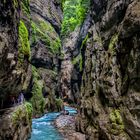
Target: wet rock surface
66, 126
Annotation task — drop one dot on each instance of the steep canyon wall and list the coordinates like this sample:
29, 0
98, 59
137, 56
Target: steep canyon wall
84, 51
110, 82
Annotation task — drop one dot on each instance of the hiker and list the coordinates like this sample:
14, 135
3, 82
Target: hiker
20, 98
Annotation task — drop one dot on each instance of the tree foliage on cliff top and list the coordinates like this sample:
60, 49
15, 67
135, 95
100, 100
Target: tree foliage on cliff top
74, 14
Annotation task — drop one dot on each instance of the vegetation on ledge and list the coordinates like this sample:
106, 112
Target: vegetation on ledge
59, 104
23, 112
113, 41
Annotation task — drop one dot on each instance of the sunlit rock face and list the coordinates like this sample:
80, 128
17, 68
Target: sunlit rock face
110, 89
69, 46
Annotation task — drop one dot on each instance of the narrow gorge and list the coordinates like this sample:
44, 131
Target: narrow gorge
69, 70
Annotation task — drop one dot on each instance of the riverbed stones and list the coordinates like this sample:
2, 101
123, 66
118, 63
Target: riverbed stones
66, 126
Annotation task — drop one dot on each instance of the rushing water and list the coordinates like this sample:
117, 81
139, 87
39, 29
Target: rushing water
43, 128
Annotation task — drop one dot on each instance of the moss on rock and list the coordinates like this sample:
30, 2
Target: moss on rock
113, 41
24, 49
37, 99
44, 32
79, 59
59, 104
15, 3
25, 6
29, 110
98, 39
23, 112
116, 120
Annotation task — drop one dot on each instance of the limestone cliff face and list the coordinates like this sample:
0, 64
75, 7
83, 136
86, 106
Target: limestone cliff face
30, 60
110, 93
46, 16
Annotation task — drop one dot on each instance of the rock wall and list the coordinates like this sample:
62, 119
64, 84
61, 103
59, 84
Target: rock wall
12, 74
14, 61
110, 81
34, 72
45, 41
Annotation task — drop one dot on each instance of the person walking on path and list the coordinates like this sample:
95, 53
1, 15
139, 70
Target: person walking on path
20, 98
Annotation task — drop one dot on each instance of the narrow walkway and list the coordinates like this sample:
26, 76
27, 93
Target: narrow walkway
20, 100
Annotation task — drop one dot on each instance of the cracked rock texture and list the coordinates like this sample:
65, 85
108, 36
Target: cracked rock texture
110, 91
